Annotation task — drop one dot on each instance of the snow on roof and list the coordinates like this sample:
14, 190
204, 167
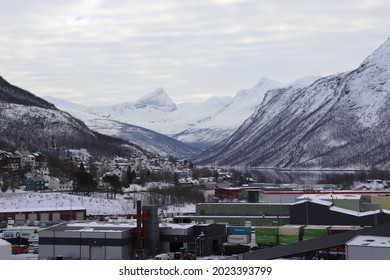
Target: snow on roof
330, 196
317, 201
43, 209
98, 226
370, 241
354, 213
176, 226
322, 202
317, 227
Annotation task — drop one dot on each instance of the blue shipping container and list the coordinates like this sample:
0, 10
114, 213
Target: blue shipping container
238, 230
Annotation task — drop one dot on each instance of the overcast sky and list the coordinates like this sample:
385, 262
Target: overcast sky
106, 52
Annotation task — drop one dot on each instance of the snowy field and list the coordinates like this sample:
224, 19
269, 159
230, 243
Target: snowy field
96, 204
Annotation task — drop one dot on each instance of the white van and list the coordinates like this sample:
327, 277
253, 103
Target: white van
162, 257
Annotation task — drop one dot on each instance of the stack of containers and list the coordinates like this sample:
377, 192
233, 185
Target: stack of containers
311, 232
290, 234
238, 234
266, 235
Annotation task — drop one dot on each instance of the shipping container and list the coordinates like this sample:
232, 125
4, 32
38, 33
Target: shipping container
238, 239
238, 230
310, 232
288, 239
291, 230
267, 230
267, 239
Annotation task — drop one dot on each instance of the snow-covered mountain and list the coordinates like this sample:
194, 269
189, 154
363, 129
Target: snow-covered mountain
156, 101
28, 122
164, 120
147, 139
223, 122
337, 122
199, 124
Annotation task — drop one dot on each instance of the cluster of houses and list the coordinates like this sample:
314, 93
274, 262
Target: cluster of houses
17, 160
39, 179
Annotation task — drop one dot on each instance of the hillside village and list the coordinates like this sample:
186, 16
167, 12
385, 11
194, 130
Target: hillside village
34, 166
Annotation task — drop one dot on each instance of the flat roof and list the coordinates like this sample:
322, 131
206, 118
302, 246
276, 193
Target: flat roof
176, 226
41, 209
100, 225
330, 196
97, 226
370, 241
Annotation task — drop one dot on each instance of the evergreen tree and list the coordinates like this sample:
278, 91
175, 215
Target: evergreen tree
114, 184
84, 182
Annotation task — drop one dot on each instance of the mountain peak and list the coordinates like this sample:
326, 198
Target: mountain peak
264, 82
159, 99
381, 56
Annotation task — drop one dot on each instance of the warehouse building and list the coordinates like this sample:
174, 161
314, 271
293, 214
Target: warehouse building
87, 241
175, 236
30, 215
239, 214
209, 239
368, 247
139, 238
320, 212
107, 240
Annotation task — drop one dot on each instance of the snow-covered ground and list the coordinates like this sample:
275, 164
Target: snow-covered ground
95, 204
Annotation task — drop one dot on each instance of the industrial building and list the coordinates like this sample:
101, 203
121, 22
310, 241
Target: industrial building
175, 236
237, 214
30, 215
86, 241
139, 238
368, 247
320, 212
367, 208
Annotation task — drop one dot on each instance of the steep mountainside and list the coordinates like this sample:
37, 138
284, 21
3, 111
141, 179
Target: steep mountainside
12, 94
149, 140
339, 121
226, 120
29, 122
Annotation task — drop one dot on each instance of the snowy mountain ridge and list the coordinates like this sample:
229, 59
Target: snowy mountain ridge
199, 124
338, 121
156, 100
30, 123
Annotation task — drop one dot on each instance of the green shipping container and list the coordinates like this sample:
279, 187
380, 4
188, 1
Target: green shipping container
266, 239
269, 231
309, 237
315, 231
287, 239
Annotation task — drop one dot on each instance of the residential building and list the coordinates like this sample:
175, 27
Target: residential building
36, 183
